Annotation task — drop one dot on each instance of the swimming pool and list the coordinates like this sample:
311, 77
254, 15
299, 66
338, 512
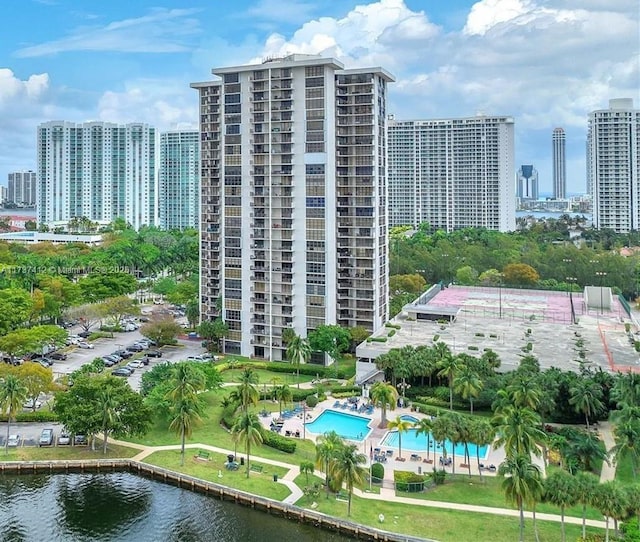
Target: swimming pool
346, 425
408, 418
413, 442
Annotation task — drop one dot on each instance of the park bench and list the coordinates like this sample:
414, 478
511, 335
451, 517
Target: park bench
202, 455
256, 468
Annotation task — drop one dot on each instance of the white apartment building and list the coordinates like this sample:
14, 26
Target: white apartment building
559, 163
98, 170
452, 173
293, 220
179, 180
614, 165
21, 187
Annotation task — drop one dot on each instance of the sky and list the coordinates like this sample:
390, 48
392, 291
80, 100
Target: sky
547, 63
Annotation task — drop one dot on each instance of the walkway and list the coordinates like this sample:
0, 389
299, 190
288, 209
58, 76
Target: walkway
608, 471
386, 495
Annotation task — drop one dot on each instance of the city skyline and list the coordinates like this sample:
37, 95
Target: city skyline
138, 60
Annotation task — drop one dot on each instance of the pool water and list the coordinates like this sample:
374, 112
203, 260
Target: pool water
413, 442
407, 418
346, 425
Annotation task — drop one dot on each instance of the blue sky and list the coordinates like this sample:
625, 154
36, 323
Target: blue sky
545, 62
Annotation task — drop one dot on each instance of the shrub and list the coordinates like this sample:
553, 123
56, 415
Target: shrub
379, 339
37, 416
636, 345
479, 334
408, 481
473, 348
493, 335
394, 326
438, 476
278, 442
312, 401
377, 473
391, 333
435, 338
101, 334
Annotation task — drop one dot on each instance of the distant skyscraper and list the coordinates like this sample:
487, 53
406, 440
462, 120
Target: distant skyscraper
98, 170
452, 173
3, 194
178, 180
21, 188
527, 183
294, 213
614, 165
559, 164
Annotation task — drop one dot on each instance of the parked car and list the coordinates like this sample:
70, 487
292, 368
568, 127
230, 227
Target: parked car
135, 364
13, 441
130, 327
64, 439
85, 345
79, 440
45, 362
144, 360
113, 357
197, 358
28, 404
84, 334
46, 437
58, 356
135, 348
147, 342
108, 362
123, 354
121, 371
154, 354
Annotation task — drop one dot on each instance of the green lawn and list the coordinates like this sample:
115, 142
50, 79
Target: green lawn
488, 492
624, 473
442, 525
67, 452
258, 483
266, 377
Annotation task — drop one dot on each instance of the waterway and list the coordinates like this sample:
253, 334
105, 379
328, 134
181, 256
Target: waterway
123, 507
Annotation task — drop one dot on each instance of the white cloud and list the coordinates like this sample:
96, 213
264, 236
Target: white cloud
161, 31
488, 13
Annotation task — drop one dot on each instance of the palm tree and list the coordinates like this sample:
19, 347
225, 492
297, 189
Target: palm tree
586, 484
522, 483
247, 429
401, 426
518, 431
424, 426
306, 468
283, 395
326, 449
627, 438
108, 407
247, 394
448, 365
524, 392
383, 394
482, 434
12, 396
347, 468
467, 383
298, 351
626, 389
185, 402
610, 499
560, 488
440, 431
586, 397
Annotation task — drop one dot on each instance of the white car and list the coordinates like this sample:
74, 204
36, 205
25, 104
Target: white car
135, 364
86, 345
14, 441
29, 404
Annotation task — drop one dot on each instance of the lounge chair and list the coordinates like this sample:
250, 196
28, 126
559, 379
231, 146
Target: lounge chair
336, 404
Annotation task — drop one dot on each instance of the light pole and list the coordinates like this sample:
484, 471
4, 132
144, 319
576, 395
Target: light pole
500, 275
570, 282
601, 274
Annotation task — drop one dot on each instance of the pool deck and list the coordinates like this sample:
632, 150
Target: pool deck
376, 435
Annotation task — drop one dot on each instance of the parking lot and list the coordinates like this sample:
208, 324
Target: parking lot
29, 432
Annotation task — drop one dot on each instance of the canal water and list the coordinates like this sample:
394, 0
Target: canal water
124, 507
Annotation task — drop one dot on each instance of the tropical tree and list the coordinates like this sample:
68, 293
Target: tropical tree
383, 394
518, 430
585, 486
627, 443
467, 384
246, 393
347, 468
12, 395
560, 489
524, 392
186, 404
423, 427
247, 429
401, 426
522, 483
440, 432
610, 499
586, 397
108, 409
448, 365
283, 394
307, 468
36, 378
326, 449
482, 434
298, 351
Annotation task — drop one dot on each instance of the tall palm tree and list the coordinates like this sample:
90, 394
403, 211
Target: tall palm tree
518, 430
247, 429
560, 488
467, 384
347, 468
440, 431
185, 403
586, 397
627, 438
522, 483
610, 499
626, 389
12, 396
448, 365
326, 449
401, 426
298, 351
524, 392
108, 407
383, 394
283, 394
423, 427
246, 393
586, 484
482, 434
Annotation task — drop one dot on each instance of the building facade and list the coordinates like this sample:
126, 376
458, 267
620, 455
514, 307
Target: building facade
98, 170
527, 183
21, 188
614, 166
179, 180
293, 220
559, 166
452, 173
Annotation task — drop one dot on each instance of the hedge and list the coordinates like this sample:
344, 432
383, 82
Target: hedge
393, 326
377, 473
274, 440
37, 416
377, 339
391, 333
408, 481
